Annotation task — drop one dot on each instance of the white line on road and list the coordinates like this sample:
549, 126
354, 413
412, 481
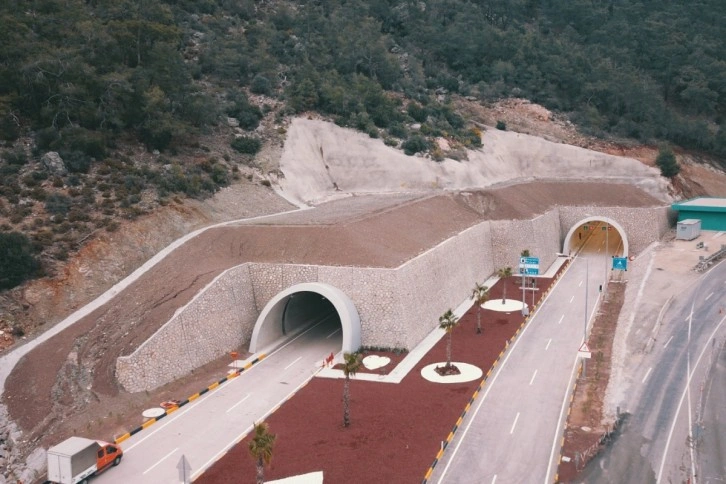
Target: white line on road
647, 373
160, 460
708, 297
572, 298
331, 334
235, 405
511, 431
580, 284
494, 479
561, 318
548, 344
298, 359
532, 379
669, 340
683, 396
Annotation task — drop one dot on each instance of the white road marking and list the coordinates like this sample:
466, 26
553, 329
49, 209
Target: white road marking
235, 405
680, 402
708, 297
533, 375
561, 318
548, 344
669, 340
580, 284
511, 431
298, 359
494, 479
160, 460
647, 373
331, 334
572, 298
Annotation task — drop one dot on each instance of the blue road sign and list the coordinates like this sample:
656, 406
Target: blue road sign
529, 260
620, 263
530, 271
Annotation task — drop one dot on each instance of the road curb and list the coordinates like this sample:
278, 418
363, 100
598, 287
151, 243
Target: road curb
191, 398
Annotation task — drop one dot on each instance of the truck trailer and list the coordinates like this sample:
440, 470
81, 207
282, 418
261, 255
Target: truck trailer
76, 459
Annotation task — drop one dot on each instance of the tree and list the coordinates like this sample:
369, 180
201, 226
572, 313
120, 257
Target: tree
504, 274
480, 293
667, 163
17, 262
261, 448
448, 322
351, 363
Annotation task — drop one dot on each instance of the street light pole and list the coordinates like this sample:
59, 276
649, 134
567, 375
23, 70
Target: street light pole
607, 252
584, 332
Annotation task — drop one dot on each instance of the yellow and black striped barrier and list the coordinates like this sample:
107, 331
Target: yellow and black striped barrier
191, 398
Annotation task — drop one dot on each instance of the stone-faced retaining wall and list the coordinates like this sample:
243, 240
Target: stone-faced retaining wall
397, 307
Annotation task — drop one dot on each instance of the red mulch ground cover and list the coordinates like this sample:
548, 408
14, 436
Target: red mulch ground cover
396, 429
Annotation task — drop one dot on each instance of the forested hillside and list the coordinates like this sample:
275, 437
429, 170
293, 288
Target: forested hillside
89, 79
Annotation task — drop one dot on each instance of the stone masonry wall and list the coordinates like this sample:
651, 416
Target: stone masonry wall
218, 320
397, 307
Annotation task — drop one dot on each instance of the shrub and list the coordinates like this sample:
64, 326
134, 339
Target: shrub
260, 85
247, 145
17, 158
501, 125
415, 144
17, 262
57, 204
667, 163
76, 161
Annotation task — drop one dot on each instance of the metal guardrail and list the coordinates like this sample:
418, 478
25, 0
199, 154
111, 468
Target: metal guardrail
707, 262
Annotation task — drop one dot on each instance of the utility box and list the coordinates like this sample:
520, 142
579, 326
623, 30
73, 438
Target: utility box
688, 229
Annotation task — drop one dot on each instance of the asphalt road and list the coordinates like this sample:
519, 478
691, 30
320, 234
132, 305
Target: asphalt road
674, 429
513, 432
204, 429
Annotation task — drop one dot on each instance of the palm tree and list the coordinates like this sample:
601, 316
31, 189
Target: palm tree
261, 449
351, 363
504, 274
480, 294
448, 322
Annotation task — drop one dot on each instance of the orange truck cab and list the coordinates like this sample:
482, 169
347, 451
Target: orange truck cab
76, 459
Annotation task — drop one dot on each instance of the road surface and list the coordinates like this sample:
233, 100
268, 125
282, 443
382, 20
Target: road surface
512, 433
674, 430
204, 429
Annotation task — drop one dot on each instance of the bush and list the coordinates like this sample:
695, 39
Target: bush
415, 144
667, 163
17, 158
17, 262
247, 145
260, 85
501, 126
57, 204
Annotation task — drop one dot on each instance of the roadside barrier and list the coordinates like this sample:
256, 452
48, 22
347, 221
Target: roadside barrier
173, 408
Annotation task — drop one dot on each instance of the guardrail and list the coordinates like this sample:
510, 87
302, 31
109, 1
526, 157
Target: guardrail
705, 262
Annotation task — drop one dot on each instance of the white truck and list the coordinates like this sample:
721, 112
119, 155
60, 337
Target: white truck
76, 459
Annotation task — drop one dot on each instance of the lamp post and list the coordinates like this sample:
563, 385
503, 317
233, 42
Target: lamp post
607, 252
584, 330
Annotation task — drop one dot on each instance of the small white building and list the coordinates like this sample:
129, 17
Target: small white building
688, 229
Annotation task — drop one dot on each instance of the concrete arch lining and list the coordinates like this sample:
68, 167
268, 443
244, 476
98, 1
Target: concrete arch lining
269, 329
618, 227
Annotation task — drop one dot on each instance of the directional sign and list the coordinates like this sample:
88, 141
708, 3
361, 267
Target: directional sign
586, 227
529, 266
620, 263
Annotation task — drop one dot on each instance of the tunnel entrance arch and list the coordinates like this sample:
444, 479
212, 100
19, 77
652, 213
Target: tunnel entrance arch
276, 320
567, 244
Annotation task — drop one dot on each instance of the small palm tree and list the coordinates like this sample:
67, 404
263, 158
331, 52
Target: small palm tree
351, 363
261, 449
448, 322
504, 274
480, 293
